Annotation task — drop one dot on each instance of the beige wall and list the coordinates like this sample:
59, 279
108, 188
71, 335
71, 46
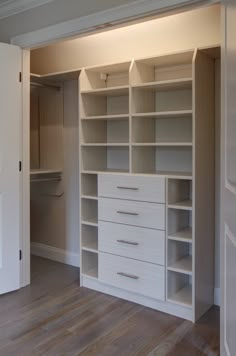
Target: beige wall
173, 33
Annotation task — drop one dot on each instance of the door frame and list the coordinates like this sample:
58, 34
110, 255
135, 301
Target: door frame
108, 19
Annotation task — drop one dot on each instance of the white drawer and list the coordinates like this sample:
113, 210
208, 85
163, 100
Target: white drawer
130, 241
135, 213
135, 276
131, 187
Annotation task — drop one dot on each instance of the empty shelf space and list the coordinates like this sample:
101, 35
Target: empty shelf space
44, 171
184, 235
108, 171
174, 84
182, 297
185, 205
89, 186
184, 265
92, 197
104, 145
45, 175
112, 91
89, 211
163, 144
89, 264
90, 222
89, 238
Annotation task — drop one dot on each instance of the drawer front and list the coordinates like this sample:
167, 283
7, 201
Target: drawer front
135, 213
135, 276
130, 241
150, 189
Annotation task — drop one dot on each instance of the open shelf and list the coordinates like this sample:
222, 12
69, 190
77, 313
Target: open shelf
112, 91
164, 114
161, 130
184, 235
185, 205
172, 67
89, 211
89, 238
107, 77
161, 159
179, 194
105, 117
90, 222
89, 264
106, 132
179, 257
89, 185
182, 297
45, 175
100, 159
179, 289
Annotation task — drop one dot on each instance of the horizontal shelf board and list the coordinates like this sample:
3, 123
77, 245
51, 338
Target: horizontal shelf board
185, 205
112, 91
104, 144
182, 297
106, 117
175, 84
44, 171
184, 265
92, 273
168, 174
106, 171
163, 144
89, 249
110, 67
184, 235
164, 114
90, 222
92, 197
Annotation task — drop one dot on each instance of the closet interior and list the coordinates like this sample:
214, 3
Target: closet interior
122, 176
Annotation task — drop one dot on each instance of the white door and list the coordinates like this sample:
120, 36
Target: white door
10, 122
228, 233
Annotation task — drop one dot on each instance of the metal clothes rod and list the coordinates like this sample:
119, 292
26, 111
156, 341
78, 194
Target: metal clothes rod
52, 86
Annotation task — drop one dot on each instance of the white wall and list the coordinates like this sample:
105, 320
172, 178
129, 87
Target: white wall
191, 29
51, 14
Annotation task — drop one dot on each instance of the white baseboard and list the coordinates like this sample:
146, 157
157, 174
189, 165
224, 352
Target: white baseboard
217, 296
55, 254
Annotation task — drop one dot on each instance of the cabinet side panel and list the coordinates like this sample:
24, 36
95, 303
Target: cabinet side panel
204, 183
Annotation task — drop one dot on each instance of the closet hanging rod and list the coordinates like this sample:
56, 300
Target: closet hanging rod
52, 86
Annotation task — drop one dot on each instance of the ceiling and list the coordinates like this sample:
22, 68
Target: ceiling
13, 7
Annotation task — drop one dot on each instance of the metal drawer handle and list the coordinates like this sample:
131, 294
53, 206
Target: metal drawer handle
127, 213
127, 275
128, 188
128, 242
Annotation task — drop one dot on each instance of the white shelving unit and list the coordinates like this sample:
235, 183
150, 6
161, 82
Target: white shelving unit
150, 117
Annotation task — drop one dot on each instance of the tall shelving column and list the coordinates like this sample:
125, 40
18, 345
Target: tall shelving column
104, 146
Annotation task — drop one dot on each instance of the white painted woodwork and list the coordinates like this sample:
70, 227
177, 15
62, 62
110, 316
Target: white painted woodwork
142, 244
150, 215
136, 276
10, 155
131, 187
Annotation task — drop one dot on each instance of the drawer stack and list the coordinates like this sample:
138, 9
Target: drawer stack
131, 233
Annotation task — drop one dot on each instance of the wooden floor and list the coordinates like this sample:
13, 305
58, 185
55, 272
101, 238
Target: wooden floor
54, 316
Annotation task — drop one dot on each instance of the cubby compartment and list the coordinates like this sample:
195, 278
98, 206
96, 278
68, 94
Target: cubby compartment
102, 159
180, 193
110, 76
151, 99
89, 185
109, 104
179, 226
164, 68
105, 131
89, 211
89, 238
90, 264
179, 288
162, 160
162, 130
179, 257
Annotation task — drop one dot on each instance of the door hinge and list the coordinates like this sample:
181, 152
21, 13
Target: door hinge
20, 255
20, 166
20, 77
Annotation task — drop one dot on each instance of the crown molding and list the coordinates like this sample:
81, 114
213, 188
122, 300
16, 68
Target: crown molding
13, 7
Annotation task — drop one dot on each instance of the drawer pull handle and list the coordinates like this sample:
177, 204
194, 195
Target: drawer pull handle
128, 188
127, 275
128, 242
127, 213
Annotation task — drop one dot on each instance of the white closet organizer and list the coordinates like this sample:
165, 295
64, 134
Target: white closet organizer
147, 181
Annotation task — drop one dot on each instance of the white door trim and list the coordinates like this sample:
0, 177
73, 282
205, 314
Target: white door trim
118, 15
104, 19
